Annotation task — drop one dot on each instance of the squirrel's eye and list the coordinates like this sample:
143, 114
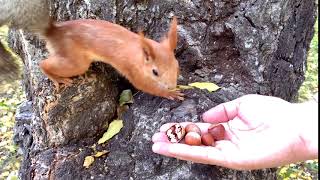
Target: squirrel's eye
147, 58
155, 72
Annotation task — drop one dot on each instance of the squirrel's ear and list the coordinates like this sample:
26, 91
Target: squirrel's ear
172, 34
146, 48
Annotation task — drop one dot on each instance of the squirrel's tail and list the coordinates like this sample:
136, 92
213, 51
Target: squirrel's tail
32, 16
51, 27
9, 70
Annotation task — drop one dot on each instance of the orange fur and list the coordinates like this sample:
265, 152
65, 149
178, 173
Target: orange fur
149, 65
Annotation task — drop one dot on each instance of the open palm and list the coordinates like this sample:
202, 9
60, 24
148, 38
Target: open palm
261, 132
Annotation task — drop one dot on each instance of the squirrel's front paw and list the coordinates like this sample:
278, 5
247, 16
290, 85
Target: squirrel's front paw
175, 94
65, 81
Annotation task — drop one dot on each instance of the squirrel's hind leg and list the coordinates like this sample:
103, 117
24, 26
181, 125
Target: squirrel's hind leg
59, 70
56, 79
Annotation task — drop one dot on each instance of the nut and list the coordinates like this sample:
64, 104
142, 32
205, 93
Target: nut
217, 131
207, 139
193, 138
175, 133
193, 128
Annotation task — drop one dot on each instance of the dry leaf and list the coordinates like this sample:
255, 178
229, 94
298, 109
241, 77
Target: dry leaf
205, 85
184, 87
88, 160
114, 128
100, 153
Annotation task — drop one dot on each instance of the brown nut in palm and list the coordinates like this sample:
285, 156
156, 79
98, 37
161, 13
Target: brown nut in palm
207, 139
193, 139
193, 128
217, 131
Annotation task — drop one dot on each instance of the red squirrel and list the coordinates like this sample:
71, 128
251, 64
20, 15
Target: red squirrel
149, 65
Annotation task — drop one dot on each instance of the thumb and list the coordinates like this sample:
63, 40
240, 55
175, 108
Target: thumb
222, 113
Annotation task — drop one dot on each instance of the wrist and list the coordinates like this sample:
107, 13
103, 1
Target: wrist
308, 129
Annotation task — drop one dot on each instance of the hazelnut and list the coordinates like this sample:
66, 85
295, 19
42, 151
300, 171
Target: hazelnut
192, 128
193, 138
217, 131
207, 139
175, 133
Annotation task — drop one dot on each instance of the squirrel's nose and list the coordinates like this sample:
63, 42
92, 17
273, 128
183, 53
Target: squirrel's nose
172, 85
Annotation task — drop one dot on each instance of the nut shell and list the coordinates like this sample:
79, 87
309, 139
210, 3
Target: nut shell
175, 133
217, 131
193, 138
207, 139
192, 128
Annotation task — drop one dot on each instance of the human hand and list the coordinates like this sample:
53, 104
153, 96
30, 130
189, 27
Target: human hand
261, 132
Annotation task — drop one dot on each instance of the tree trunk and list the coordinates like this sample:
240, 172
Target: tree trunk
250, 46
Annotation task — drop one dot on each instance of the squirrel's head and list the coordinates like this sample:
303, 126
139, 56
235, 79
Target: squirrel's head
160, 67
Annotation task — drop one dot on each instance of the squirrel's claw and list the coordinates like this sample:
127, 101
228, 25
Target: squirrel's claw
66, 81
175, 94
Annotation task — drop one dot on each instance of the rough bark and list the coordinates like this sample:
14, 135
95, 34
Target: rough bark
251, 46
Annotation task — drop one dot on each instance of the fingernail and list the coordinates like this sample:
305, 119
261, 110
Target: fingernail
203, 116
157, 137
156, 147
154, 137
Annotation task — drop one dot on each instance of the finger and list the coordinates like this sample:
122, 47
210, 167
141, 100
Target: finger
198, 154
222, 113
203, 126
160, 137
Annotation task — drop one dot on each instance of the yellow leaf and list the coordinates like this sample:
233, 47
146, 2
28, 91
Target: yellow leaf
114, 128
205, 85
100, 153
88, 161
6, 173
184, 87
293, 175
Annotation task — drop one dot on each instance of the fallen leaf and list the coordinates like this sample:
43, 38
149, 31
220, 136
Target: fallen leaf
184, 87
6, 173
114, 128
205, 85
88, 160
100, 153
126, 97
